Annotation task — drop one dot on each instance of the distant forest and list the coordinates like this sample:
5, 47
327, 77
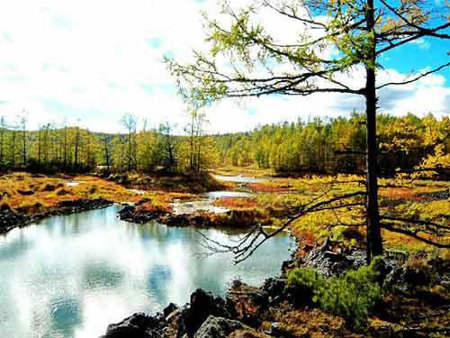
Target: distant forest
334, 145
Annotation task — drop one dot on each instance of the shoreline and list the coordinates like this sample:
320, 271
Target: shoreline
10, 220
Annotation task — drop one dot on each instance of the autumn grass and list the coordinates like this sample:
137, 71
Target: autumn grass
31, 194
188, 183
415, 199
244, 171
272, 201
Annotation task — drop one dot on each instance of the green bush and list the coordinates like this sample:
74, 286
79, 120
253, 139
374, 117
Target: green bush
305, 277
303, 282
350, 296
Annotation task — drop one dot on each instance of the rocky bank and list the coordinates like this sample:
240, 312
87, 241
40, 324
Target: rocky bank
10, 219
276, 310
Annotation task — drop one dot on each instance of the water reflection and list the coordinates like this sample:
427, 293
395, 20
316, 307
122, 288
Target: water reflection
102, 275
65, 316
71, 276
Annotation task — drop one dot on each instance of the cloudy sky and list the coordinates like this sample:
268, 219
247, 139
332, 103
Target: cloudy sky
88, 62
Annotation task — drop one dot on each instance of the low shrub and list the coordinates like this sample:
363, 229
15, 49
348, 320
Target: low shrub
351, 296
303, 282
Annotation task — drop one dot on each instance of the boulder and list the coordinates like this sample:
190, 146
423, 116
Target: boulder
218, 327
275, 288
169, 309
202, 305
137, 325
248, 302
9, 219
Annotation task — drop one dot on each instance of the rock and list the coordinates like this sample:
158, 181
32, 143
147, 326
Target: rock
330, 262
138, 325
218, 327
131, 213
276, 331
202, 305
275, 289
169, 309
10, 219
119, 178
248, 302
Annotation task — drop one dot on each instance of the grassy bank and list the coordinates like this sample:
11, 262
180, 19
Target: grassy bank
273, 199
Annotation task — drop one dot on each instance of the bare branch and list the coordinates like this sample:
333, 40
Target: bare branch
418, 221
437, 69
258, 236
390, 227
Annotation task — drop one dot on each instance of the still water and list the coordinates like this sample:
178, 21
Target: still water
70, 276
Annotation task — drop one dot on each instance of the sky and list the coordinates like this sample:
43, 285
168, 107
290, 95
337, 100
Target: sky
90, 62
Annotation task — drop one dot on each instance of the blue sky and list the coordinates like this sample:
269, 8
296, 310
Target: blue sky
422, 54
89, 62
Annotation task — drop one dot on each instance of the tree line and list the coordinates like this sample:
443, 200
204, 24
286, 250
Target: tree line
334, 145
55, 148
337, 145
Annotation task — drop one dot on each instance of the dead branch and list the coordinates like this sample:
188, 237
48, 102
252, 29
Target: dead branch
257, 236
416, 221
413, 234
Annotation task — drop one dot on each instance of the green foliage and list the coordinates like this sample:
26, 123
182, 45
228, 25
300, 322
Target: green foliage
336, 145
316, 146
351, 296
305, 277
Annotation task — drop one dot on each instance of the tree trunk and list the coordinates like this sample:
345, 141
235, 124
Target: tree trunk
39, 145
13, 149
105, 142
24, 146
374, 241
2, 135
65, 147
77, 140
129, 151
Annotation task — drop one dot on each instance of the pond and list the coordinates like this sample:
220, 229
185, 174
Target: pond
71, 276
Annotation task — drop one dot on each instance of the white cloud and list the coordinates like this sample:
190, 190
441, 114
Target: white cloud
96, 60
422, 44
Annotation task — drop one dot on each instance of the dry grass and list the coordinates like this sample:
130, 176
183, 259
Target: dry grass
407, 199
273, 200
31, 194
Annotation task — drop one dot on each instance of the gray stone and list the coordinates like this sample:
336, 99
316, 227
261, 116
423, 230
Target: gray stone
218, 327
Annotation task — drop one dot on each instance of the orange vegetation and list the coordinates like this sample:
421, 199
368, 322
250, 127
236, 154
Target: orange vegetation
237, 203
269, 186
31, 194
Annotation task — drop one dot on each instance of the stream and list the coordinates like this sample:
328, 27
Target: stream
206, 203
